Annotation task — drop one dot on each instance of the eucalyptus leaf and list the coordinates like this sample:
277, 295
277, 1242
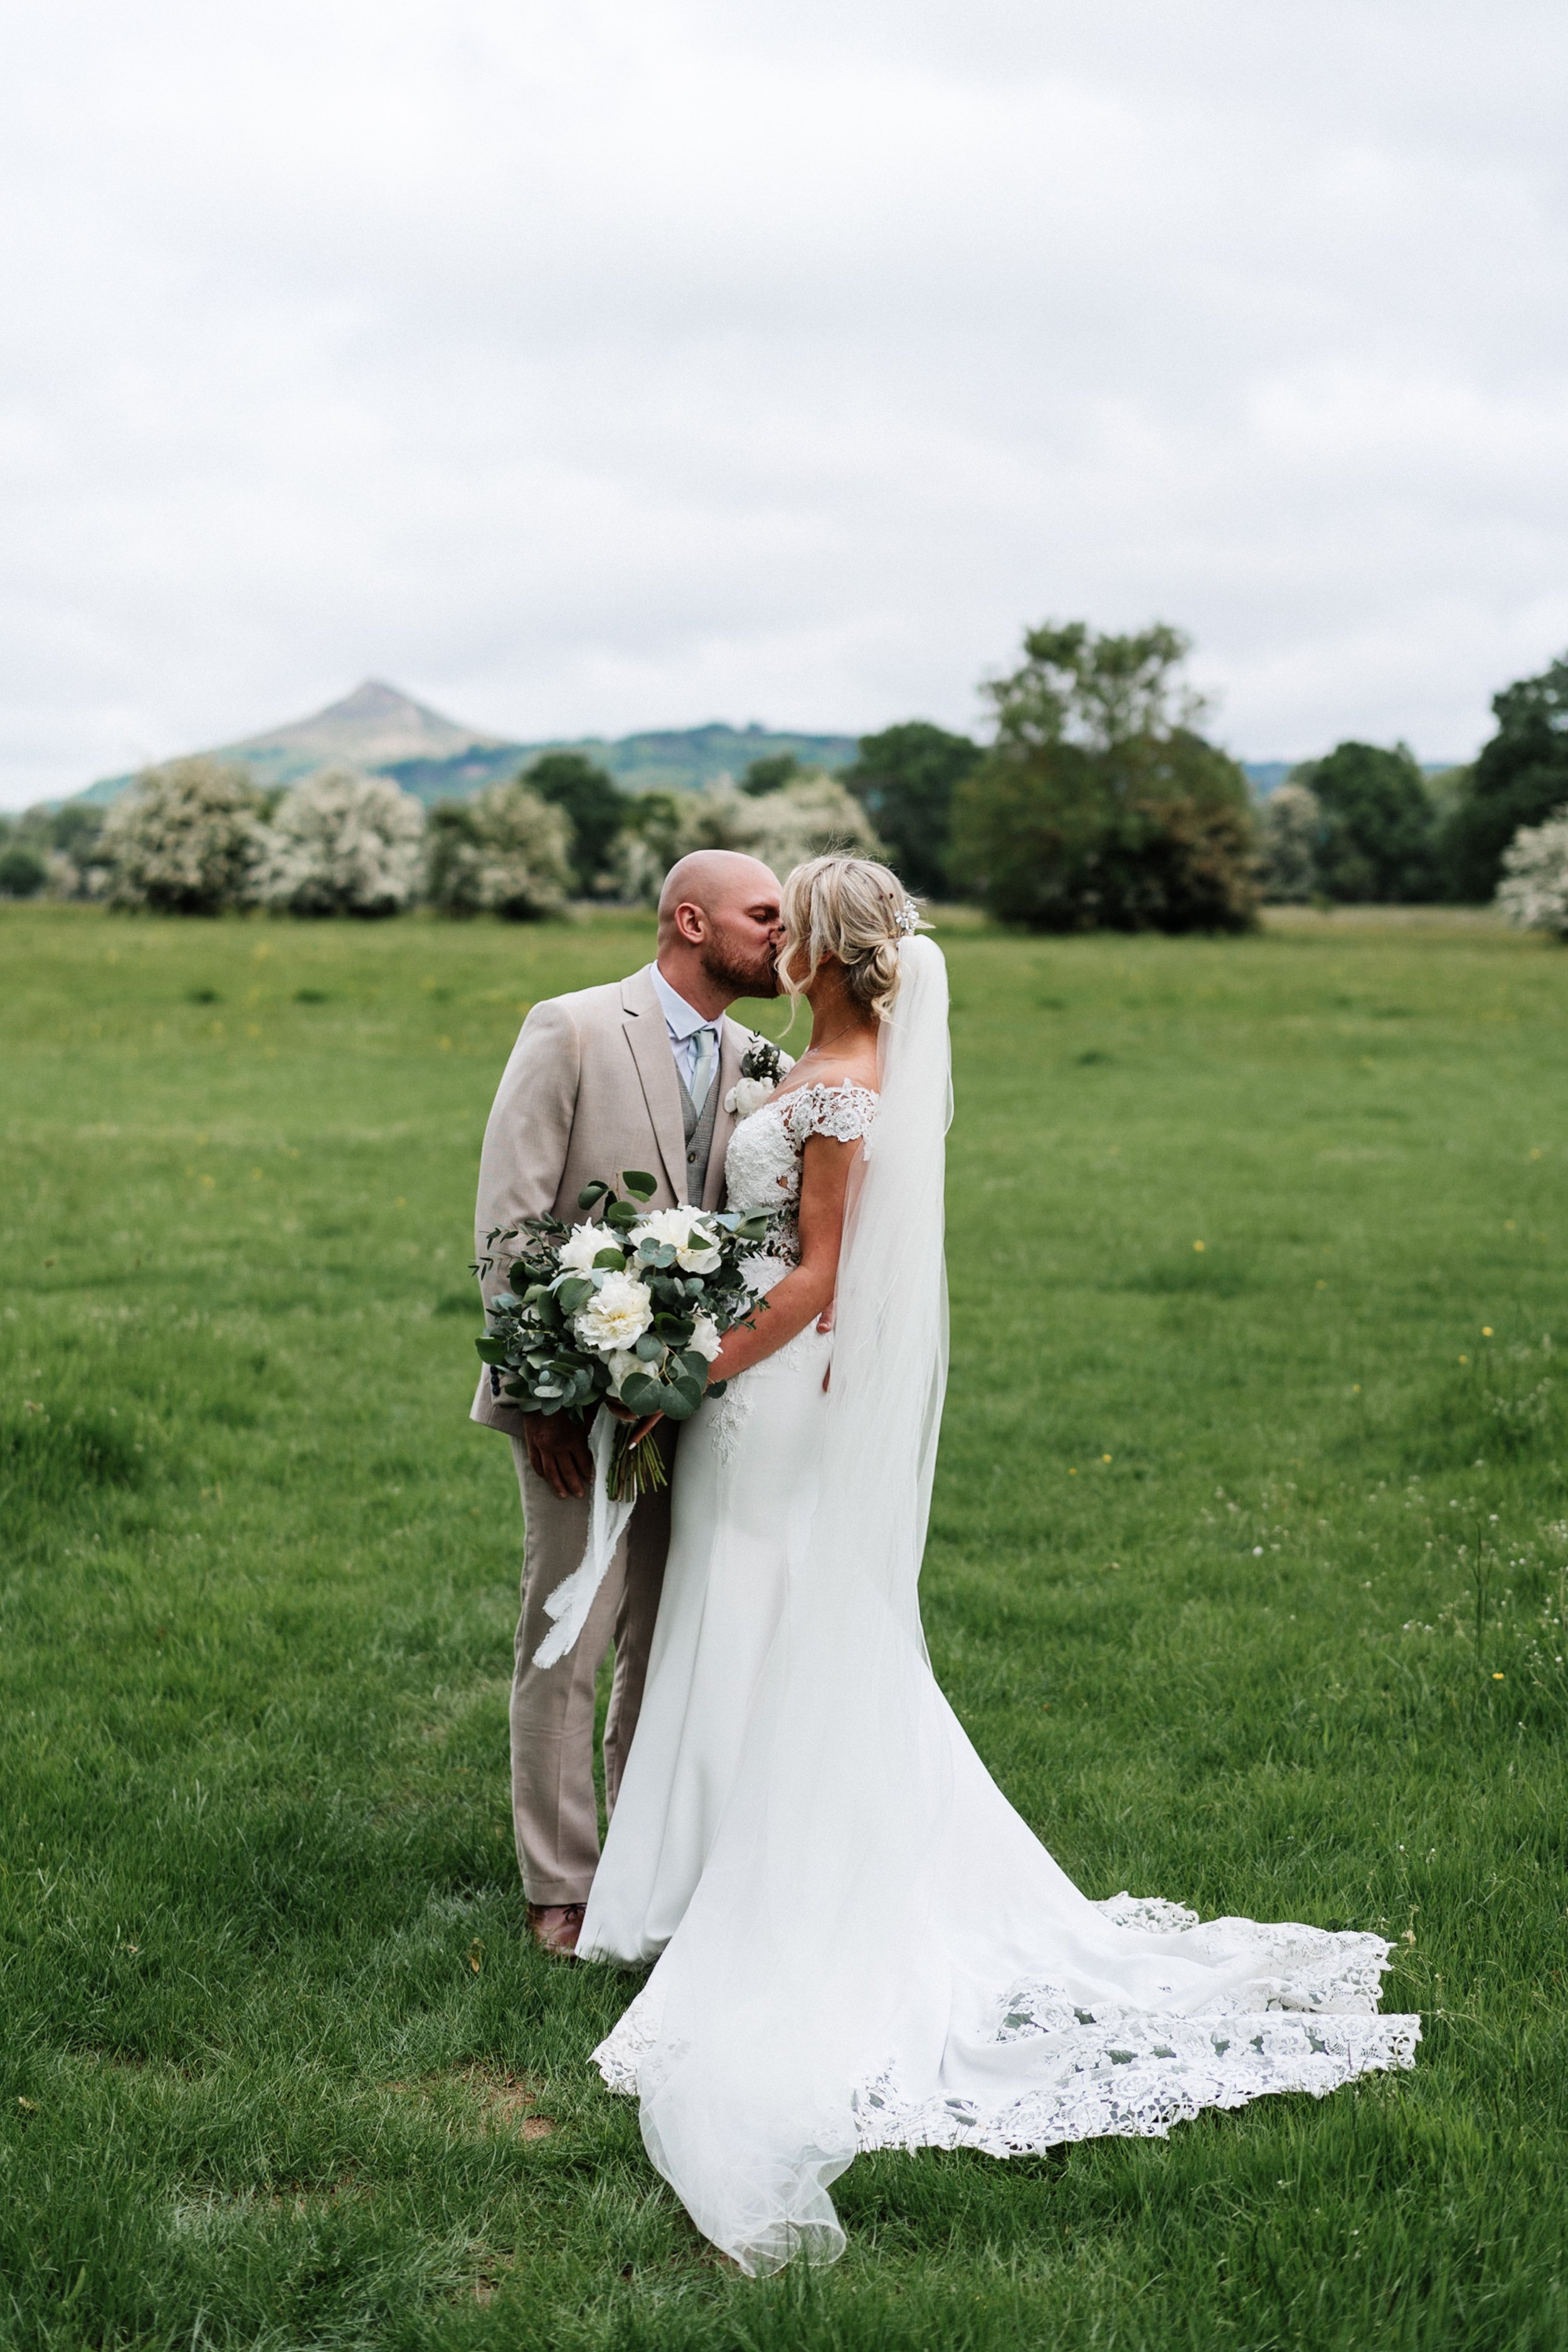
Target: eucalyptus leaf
592, 1194
638, 1184
639, 1394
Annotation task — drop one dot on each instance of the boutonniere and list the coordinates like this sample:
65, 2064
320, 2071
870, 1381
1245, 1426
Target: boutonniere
761, 1066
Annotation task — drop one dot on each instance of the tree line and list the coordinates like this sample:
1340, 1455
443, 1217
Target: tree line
1099, 801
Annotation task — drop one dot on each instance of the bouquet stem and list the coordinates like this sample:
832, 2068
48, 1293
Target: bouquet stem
635, 1469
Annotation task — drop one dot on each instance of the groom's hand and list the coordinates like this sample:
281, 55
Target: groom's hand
559, 1452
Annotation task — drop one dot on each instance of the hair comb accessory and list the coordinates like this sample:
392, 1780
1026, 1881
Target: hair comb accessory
908, 919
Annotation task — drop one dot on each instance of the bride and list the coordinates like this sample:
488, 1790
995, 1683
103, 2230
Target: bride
859, 1943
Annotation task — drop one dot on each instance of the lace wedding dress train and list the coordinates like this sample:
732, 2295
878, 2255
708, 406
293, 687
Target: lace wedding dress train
861, 1944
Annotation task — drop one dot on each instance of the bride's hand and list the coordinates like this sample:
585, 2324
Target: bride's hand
639, 1429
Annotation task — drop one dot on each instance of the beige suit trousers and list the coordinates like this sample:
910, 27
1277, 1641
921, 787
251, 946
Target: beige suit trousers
554, 1813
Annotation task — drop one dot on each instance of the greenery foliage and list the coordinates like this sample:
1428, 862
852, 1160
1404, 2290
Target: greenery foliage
1519, 778
56, 849
23, 873
280, 2066
186, 839
906, 777
504, 852
594, 806
342, 844
770, 774
1377, 835
1099, 804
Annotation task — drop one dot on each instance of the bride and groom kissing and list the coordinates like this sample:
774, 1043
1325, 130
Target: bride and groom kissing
856, 1943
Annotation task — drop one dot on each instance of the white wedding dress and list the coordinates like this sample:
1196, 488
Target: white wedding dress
859, 1943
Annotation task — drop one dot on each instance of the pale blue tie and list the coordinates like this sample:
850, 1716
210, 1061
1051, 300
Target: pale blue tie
702, 1074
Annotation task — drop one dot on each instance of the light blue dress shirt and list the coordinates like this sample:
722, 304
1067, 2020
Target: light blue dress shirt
684, 1025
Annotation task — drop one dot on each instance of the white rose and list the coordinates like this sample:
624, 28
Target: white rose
705, 1336
616, 1316
683, 1230
747, 1094
582, 1245
623, 1364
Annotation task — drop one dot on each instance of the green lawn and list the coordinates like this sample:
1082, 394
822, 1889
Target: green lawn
1247, 1575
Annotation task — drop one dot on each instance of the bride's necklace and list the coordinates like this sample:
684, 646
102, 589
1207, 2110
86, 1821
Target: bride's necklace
821, 1046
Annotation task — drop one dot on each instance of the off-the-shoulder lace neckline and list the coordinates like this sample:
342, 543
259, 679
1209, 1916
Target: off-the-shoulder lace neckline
825, 1086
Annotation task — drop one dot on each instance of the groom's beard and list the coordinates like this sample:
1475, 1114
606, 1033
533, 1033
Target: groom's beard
745, 975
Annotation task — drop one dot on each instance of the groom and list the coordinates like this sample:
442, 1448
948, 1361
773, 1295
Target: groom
633, 1075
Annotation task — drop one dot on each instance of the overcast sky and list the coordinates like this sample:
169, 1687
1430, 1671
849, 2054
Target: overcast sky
583, 365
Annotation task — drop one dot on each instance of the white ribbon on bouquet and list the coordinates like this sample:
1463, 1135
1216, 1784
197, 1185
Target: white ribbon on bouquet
575, 1595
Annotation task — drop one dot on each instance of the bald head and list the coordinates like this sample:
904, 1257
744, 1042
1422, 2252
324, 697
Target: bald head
719, 929
713, 880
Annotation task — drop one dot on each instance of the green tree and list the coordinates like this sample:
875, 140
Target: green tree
1519, 778
22, 872
593, 805
1377, 840
906, 778
770, 774
1099, 804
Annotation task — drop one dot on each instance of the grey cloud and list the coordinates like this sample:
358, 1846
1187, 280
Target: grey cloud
594, 367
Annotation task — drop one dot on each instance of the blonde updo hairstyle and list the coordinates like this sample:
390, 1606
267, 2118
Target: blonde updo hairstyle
847, 908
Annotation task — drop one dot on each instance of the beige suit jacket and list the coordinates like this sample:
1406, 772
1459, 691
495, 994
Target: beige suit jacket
589, 1090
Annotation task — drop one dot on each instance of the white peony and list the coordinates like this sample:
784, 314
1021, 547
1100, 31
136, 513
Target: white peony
705, 1336
582, 1245
684, 1231
617, 1315
623, 1364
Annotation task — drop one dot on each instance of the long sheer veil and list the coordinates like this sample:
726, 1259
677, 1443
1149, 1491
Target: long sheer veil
772, 2004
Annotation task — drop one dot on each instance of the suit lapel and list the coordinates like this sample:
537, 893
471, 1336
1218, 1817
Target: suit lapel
649, 1041
732, 1041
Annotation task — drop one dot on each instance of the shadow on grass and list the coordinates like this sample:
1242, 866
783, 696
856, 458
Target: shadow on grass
49, 1461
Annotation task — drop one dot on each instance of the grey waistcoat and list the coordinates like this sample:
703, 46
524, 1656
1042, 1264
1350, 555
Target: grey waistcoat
699, 1135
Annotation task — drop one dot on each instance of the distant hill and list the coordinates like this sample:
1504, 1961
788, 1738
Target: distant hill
388, 733
1266, 776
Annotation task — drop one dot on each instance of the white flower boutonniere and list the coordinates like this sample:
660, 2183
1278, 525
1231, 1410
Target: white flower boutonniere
761, 1067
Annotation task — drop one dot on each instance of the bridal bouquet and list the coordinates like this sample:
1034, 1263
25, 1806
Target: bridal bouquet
628, 1308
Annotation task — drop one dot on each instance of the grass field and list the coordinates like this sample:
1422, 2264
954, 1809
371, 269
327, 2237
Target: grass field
1247, 1576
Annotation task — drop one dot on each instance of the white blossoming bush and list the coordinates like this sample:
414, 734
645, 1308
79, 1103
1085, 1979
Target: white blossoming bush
185, 839
1534, 892
784, 828
1290, 826
343, 843
506, 852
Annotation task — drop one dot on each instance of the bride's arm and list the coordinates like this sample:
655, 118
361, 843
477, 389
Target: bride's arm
807, 1290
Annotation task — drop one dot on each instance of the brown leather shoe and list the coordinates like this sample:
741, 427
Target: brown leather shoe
556, 1927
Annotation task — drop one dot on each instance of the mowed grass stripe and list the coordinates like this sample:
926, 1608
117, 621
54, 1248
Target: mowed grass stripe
280, 2067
